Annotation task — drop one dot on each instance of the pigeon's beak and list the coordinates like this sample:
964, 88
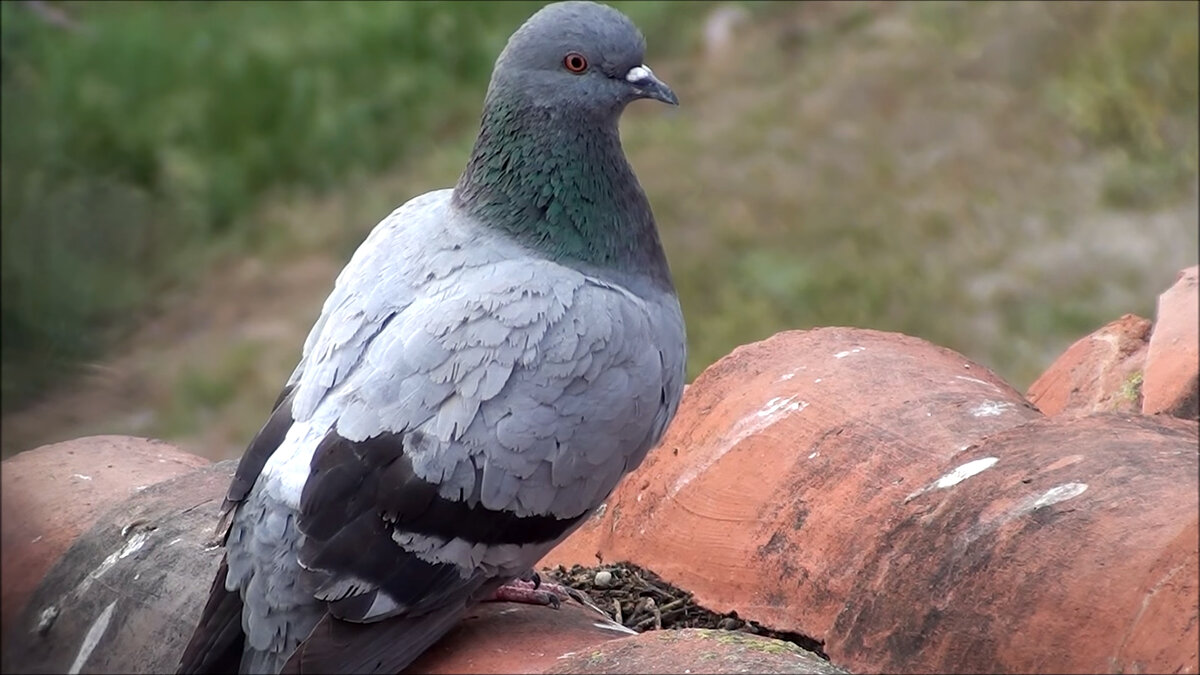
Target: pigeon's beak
648, 86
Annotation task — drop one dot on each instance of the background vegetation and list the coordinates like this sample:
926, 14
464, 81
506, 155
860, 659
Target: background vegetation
136, 141
181, 181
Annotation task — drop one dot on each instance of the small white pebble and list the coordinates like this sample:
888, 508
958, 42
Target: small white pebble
603, 579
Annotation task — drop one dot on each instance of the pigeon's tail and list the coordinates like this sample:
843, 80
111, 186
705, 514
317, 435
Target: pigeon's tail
260, 661
216, 644
388, 646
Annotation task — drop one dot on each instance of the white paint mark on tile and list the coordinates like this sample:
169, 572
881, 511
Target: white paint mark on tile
92, 639
80, 476
852, 350
990, 408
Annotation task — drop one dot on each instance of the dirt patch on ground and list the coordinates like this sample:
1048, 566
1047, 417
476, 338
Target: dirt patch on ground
641, 600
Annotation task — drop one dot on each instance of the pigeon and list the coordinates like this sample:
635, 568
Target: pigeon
492, 360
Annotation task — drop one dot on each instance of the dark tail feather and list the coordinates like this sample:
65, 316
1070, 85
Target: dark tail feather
389, 646
216, 644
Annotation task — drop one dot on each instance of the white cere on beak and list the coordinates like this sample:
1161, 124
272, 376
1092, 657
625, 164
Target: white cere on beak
639, 74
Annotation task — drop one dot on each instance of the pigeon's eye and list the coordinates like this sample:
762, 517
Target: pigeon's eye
575, 62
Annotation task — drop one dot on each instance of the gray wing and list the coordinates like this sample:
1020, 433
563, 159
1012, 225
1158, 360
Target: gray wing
484, 421
528, 408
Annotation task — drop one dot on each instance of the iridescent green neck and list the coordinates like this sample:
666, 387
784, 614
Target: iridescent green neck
559, 183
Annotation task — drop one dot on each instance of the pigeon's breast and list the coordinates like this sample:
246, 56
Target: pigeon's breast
532, 386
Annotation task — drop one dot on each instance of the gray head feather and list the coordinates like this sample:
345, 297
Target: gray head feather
532, 65
547, 167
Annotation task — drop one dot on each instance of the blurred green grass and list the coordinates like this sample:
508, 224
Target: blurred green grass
133, 145
1000, 178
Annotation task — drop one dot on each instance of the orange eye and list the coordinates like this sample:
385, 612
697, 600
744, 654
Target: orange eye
575, 62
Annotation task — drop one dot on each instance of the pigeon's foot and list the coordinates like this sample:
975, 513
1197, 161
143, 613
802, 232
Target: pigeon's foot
532, 592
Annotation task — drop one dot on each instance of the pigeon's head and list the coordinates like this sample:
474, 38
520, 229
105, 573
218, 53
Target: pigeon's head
578, 55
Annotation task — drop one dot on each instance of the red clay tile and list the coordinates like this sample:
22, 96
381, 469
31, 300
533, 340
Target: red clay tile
1098, 373
913, 511
693, 650
1171, 385
53, 493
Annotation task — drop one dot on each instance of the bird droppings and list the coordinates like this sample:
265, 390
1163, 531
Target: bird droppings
46, 619
781, 404
613, 626
772, 411
964, 472
132, 545
956, 476
134, 524
638, 600
1056, 494
990, 408
99, 626
977, 381
1059, 493
853, 350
